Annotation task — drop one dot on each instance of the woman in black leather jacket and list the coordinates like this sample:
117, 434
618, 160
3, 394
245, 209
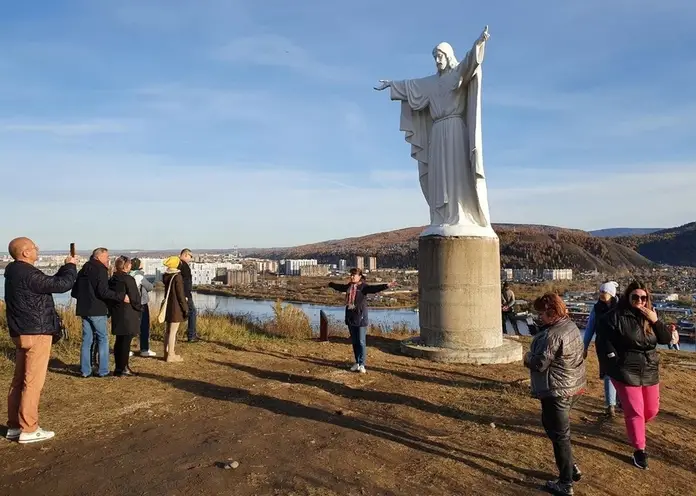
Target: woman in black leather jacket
626, 340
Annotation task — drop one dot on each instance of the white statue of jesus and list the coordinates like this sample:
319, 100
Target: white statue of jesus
441, 116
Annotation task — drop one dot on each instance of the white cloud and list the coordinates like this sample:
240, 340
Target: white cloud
84, 128
274, 50
160, 202
659, 194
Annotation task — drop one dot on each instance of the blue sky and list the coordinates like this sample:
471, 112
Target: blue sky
213, 123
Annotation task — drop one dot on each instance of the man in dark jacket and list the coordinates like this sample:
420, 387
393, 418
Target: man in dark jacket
185, 258
32, 321
557, 371
92, 294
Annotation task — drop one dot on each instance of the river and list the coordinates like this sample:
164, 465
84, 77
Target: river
263, 310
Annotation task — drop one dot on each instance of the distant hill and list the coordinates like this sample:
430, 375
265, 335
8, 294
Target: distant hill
520, 246
614, 232
674, 246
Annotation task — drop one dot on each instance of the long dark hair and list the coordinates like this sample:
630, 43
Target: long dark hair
625, 302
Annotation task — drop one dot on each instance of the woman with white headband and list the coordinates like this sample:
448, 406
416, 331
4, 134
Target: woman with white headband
607, 301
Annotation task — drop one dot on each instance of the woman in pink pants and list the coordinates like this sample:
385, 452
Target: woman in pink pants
626, 341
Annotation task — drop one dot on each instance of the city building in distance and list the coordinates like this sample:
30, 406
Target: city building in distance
371, 263
292, 267
532, 275
320, 270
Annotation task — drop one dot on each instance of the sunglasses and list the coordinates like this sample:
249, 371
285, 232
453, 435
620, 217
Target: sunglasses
641, 298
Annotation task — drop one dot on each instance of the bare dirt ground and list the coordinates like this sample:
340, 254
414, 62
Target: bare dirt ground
299, 423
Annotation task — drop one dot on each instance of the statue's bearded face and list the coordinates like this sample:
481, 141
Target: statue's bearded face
441, 61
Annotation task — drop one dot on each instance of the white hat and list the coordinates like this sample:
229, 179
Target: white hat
609, 288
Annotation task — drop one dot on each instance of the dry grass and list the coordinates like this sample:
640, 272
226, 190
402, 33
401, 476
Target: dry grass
289, 322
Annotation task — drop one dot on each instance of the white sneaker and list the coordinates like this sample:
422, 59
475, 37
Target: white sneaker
13, 433
362, 369
355, 368
35, 437
148, 353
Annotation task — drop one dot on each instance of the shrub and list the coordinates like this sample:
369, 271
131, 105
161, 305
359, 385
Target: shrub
289, 321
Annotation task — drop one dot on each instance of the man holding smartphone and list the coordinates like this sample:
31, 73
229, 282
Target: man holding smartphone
32, 321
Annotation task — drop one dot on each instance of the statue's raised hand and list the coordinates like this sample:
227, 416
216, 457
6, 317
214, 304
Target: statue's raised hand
484, 36
384, 84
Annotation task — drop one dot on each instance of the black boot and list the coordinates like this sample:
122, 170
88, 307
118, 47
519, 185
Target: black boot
640, 459
560, 488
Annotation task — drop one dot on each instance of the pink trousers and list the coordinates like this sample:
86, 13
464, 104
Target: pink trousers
640, 405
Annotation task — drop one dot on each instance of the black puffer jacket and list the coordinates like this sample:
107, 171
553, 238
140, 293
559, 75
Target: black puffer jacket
92, 291
626, 352
28, 295
556, 361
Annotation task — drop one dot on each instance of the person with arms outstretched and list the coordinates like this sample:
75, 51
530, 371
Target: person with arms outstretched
356, 291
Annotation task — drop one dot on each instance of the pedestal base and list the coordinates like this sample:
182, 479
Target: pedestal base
508, 352
459, 302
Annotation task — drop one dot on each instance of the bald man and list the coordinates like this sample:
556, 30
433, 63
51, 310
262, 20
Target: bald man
32, 321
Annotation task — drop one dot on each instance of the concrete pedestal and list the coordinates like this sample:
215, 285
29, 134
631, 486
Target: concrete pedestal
459, 304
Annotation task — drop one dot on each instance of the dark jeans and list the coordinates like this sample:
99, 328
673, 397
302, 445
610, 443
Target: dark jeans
511, 317
358, 336
191, 330
121, 352
555, 417
145, 329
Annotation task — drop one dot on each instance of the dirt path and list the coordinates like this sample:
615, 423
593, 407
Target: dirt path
300, 424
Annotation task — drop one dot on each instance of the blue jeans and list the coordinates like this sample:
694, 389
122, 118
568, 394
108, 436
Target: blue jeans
609, 392
94, 327
191, 330
145, 329
358, 336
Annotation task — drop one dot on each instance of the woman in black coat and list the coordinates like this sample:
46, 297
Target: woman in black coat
627, 338
125, 317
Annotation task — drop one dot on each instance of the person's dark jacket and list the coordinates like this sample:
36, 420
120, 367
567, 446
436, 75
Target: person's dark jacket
626, 351
357, 316
92, 291
177, 306
555, 361
29, 302
187, 277
600, 309
125, 317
